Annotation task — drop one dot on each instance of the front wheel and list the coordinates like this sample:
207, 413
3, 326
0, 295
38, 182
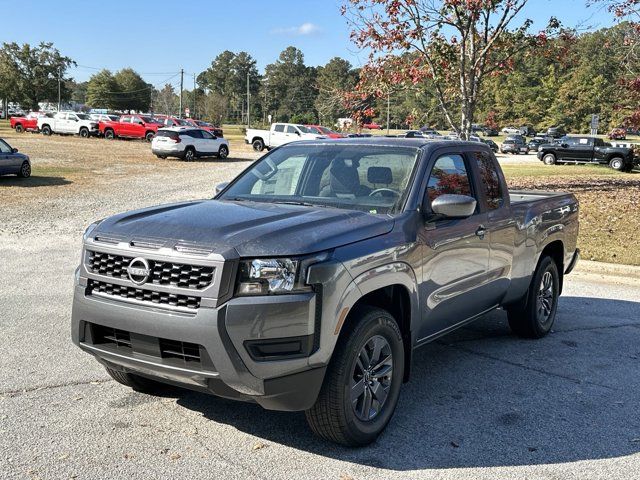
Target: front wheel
549, 159
25, 170
223, 152
149, 136
362, 384
109, 134
84, 132
534, 314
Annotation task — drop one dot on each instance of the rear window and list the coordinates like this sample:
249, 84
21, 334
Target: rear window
167, 133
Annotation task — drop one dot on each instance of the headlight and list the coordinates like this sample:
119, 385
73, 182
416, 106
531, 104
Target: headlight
264, 276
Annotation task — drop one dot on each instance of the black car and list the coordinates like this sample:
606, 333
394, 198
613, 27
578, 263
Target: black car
489, 132
586, 150
528, 131
492, 145
534, 143
12, 162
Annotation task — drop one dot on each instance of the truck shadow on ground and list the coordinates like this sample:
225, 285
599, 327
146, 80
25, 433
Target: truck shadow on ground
33, 181
481, 397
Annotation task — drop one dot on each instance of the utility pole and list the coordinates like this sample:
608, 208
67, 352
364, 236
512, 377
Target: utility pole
388, 107
59, 86
248, 110
181, 88
194, 96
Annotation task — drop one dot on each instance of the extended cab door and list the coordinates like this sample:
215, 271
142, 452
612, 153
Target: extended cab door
125, 126
501, 227
583, 149
456, 251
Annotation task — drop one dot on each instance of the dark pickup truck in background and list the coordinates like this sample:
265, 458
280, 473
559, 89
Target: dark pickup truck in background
308, 281
586, 150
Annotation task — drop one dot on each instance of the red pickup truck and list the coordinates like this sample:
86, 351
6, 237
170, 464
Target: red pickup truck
27, 123
131, 126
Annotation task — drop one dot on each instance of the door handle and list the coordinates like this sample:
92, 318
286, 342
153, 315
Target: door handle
481, 231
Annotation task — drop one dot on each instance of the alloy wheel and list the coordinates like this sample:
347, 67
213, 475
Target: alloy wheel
545, 298
371, 378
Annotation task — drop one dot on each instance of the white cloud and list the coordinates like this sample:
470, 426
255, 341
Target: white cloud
307, 28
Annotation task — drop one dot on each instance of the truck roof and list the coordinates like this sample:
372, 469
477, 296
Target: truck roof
390, 142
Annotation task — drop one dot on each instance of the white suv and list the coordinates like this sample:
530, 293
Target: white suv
188, 143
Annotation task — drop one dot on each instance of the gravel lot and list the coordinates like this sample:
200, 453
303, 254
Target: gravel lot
481, 404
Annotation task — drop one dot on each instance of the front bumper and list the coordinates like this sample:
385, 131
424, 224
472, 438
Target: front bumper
226, 366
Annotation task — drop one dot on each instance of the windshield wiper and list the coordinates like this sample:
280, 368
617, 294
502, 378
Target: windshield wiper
294, 202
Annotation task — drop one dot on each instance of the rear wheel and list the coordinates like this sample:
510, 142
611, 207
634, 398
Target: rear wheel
161, 156
362, 384
534, 314
223, 152
84, 132
549, 159
46, 130
109, 134
189, 154
138, 383
149, 136
25, 170
19, 128
258, 145
617, 163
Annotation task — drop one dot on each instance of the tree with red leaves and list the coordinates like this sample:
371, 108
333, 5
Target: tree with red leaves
452, 45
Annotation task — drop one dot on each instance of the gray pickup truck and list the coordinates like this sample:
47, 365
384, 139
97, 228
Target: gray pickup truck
309, 280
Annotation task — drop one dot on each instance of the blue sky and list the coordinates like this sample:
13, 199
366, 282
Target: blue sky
159, 37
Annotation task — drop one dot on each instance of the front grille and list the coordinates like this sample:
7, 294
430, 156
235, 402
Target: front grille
119, 339
141, 295
180, 275
186, 352
160, 350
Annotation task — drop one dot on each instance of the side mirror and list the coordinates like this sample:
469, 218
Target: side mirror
14, 150
298, 133
454, 206
219, 188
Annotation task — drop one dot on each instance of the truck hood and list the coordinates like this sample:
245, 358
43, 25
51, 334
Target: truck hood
251, 229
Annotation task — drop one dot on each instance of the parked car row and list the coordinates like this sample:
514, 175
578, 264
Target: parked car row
109, 126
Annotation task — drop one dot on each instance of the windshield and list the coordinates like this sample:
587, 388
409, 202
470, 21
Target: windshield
151, 120
83, 116
315, 130
304, 129
370, 178
200, 123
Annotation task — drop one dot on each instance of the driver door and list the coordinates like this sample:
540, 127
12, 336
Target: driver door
455, 252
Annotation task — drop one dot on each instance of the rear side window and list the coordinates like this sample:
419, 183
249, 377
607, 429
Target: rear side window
279, 128
490, 180
194, 133
449, 176
167, 133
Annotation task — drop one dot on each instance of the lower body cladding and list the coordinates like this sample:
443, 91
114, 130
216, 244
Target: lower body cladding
251, 348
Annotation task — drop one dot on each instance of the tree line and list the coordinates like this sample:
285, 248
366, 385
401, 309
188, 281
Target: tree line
542, 80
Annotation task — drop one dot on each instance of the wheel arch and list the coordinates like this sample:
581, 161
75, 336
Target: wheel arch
392, 287
555, 250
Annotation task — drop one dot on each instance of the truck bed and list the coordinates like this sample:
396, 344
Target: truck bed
531, 196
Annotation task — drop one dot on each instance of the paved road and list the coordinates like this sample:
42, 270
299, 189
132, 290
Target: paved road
481, 403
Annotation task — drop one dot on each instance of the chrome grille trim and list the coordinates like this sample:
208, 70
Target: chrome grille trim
141, 296
169, 273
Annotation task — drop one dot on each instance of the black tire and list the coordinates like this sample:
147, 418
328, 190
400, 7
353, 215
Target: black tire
534, 314
149, 136
25, 170
334, 416
138, 383
161, 156
189, 154
549, 159
258, 145
109, 134
19, 128
617, 163
84, 132
223, 152
46, 130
